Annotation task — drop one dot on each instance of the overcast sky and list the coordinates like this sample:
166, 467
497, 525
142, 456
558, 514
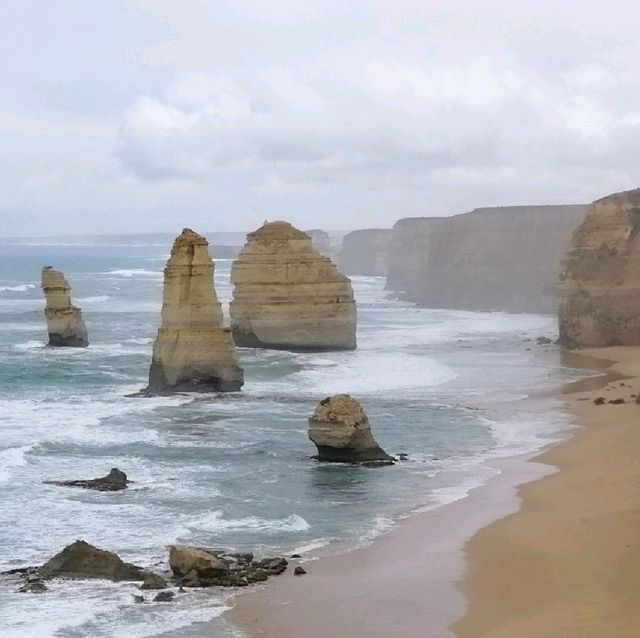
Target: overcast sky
148, 115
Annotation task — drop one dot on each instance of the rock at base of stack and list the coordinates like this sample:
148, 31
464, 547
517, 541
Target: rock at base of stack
287, 296
65, 325
340, 430
599, 285
193, 352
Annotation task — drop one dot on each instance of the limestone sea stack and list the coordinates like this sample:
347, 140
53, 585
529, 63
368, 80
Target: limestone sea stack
64, 320
599, 280
287, 296
193, 351
341, 431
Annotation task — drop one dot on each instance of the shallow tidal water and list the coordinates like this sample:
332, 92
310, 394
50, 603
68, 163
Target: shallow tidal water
233, 470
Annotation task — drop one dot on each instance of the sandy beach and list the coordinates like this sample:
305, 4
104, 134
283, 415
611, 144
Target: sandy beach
555, 557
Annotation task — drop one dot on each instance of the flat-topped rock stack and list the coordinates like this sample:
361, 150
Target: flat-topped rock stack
193, 351
65, 325
287, 296
599, 280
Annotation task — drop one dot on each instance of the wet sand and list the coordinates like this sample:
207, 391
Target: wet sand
567, 564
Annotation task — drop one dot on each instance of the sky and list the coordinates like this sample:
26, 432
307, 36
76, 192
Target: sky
149, 115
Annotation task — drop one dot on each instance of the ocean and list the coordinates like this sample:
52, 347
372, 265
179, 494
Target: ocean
233, 471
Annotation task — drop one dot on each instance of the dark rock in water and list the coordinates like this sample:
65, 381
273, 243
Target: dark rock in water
273, 565
403, 456
340, 430
257, 576
81, 560
600, 401
153, 581
35, 586
616, 401
296, 556
138, 599
543, 341
299, 571
164, 597
112, 482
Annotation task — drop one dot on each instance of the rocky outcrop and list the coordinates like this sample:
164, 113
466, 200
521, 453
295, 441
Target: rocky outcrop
112, 482
198, 567
488, 259
340, 430
81, 560
287, 296
364, 252
64, 320
193, 351
599, 280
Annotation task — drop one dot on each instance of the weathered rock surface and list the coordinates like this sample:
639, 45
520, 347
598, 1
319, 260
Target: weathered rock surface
341, 431
65, 325
112, 482
193, 351
364, 252
489, 259
599, 280
81, 560
199, 567
287, 296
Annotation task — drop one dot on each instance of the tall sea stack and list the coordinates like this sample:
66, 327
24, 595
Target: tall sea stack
193, 352
599, 280
64, 320
287, 296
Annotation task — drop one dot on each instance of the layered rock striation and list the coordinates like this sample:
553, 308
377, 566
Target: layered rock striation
193, 351
65, 325
287, 296
489, 259
599, 281
341, 431
364, 252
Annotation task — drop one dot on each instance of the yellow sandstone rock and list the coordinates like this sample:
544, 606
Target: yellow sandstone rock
64, 320
193, 352
287, 296
600, 278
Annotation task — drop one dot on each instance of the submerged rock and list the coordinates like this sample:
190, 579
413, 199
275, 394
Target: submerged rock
112, 482
82, 560
599, 284
193, 351
164, 597
340, 429
65, 325
153, 581
287, 296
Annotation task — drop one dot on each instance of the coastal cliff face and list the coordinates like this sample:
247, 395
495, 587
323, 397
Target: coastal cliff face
599, 281
193, 351
489, 259
364, 252
321, 241
288, 296
65, 325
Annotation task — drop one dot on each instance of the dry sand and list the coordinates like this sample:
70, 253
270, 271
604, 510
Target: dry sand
566, 564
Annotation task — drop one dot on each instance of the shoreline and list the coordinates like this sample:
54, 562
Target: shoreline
407, 581
566, 564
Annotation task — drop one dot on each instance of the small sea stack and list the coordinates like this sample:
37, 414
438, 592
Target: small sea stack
287, 296
193, 351
341, 431
599, 284
65, 325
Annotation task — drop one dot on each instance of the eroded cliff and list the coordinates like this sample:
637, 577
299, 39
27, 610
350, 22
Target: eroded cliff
65, 325
489, 259
192, 351
599, 282
364, 252
288, 296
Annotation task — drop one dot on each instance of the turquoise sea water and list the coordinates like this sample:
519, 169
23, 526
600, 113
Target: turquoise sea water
232, 470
